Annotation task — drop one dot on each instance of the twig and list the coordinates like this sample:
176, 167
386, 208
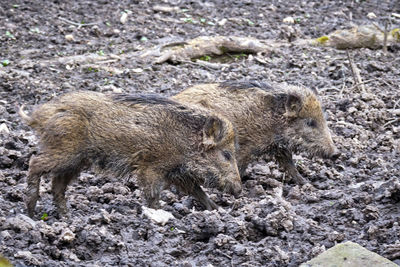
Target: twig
207, 65
390, 122
385, 35
377, 27
396, 103
363, 82
356, 73
78, 24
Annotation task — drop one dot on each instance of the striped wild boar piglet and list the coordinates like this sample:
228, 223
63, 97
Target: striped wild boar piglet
269, 119
162, 141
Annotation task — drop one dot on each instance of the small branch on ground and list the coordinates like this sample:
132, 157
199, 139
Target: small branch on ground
385, 35
207, 65
209, 45
77, 23
356, 73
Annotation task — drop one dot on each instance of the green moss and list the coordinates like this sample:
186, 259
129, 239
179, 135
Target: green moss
322, 39
205, 58
396, 34
4, 262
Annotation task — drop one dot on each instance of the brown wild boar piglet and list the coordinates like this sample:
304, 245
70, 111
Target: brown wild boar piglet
268, 119
160, 140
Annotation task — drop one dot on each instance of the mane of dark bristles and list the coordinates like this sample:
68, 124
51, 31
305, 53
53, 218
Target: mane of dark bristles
186, 115
237, 85
245, 85
149, 99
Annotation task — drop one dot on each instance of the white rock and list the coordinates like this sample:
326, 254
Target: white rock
27, 256
67, 236
5, 235
137, 70
289, 20
4, 129
117, 90
371, 15
352, 110
23, 254
69, 37
124, 18
222, 22
73, 257
165, 9
158, 216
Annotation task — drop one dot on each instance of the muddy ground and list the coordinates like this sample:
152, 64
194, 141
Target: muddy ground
272, 223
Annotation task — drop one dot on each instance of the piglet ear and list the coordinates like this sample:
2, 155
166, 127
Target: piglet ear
293, 106
213, 132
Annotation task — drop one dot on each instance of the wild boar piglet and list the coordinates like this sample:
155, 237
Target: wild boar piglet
161, 141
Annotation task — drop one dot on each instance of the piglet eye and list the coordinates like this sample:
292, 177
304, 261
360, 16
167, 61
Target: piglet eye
311, 123
227, 155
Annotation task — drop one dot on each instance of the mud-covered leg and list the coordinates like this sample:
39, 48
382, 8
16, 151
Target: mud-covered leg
187, 185
152, 197
37, 166
202, 197
285, 160
152, 186
58, 188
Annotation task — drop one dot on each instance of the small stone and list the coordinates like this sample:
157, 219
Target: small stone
20, 222
2, 110
288, 225
116, 31
73, 257
371, 15
105, 216
137, 70
352, 110
5, 235
289, 20
282, 254
124, 18
28, 257
117, 90
158, 216
165, 9
4, 129
67, 236
222, 22
69, 37
348, 254
239, 249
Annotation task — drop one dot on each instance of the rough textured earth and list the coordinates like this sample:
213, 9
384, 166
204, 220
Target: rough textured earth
272, 223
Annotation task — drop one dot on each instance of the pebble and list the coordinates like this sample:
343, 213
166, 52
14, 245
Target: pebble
4, 129
289, 20
158, 216
222, 22
124, 18
69, 37
67, 236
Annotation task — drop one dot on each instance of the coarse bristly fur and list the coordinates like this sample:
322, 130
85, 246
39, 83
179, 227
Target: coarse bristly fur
160, 140
274, 119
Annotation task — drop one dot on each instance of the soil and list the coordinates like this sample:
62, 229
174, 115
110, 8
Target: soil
272, 223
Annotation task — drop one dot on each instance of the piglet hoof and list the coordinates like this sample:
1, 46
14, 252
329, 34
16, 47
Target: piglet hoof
62, 212
213, 207
30, 208
300, 180
31, 213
